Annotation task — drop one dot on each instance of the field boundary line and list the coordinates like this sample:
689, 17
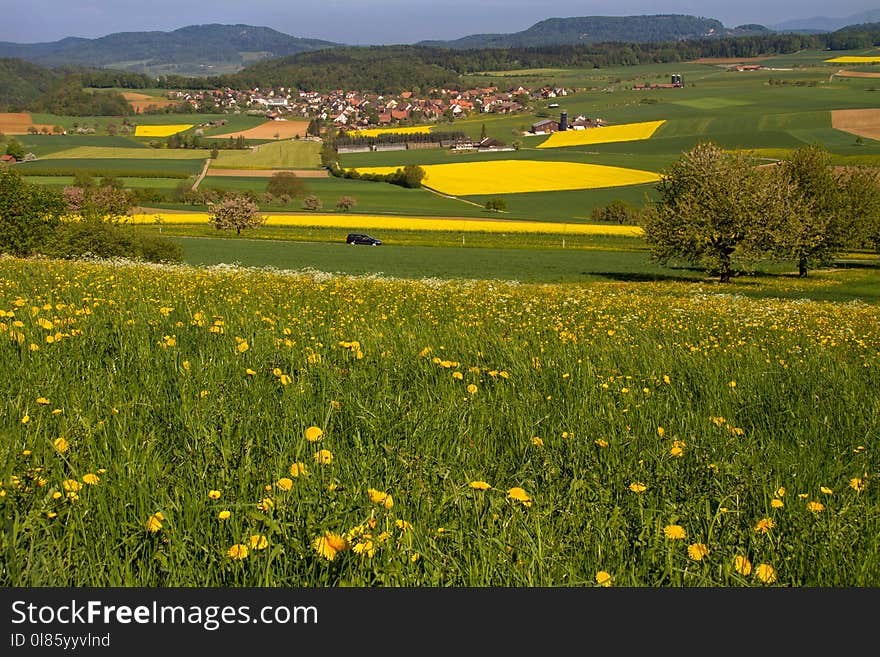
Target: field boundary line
201, 176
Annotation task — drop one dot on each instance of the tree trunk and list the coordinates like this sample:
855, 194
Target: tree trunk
802, 267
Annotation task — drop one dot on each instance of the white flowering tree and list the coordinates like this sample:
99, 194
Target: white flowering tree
236, 212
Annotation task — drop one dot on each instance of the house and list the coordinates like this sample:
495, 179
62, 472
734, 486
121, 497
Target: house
544, 126
7, 159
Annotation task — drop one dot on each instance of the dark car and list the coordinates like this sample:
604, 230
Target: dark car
361, 238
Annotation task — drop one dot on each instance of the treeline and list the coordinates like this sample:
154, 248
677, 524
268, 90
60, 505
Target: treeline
350, 139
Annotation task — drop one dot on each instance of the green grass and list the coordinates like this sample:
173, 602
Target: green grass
119, 167
285, 154
207, 379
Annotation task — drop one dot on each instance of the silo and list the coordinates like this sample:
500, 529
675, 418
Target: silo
563, 121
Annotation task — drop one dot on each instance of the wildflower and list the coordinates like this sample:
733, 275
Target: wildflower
214, 494
250, 372
25, 419
697, 551
266, 504
764, 525
335, 405
314, 434
242, 346
601, 442
284, 483
324, 457
766, 573
403, 525
154, 523
42, 401
638, 487
297, 469
717, 421
857, 484
666, 379
91, 479
742, 565
285, 379
780, 492
661, 431
603, 578
237, 552
537, 442
677, 448
223, 515
480, 485
815, 507
379, 497
61, 445
258, 542
732, 384
329, 545
314, 358
776, 503
675, 532
457, 376
826, 490
472, 389
71, 485
519, 495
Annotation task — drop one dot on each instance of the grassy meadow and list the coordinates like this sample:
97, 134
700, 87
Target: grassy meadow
242, 427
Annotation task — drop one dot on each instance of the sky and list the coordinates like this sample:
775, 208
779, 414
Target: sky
373, 22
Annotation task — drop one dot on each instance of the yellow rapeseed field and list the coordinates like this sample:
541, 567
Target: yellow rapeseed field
854, 60
408, 130
515, 176
603, 135
160, 130
380, 222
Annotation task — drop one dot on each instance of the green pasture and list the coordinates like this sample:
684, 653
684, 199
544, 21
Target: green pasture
120, 168
284, 154
127, 182
47, 145
117, 153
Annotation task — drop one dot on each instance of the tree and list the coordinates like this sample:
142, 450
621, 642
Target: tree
28, 214
96, 204
312, 203
235, 212
285, 183
413, 176
496, 204
345, 203
616, 212
15, 149
709, 203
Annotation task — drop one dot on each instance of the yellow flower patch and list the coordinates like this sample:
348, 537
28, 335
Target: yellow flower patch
604, 135
407, 130
160, 130
855, 60
518, 176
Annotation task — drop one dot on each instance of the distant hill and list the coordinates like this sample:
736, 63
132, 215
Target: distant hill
819, 24
21, 82
192, 50
599, 29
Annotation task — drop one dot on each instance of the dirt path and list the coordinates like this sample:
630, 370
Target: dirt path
202, 174
268, 173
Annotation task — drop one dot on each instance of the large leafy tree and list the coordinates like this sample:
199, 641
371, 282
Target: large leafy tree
235, 212
709, 202
28, 214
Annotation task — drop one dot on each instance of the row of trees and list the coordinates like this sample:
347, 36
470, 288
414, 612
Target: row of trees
716, 209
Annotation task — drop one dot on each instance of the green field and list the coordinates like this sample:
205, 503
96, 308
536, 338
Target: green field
285, 154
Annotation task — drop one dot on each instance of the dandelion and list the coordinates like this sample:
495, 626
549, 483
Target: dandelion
91, 479
266, 504
379, 497
677, 448
764, 525
603, 578
732, 384
697, 551
537, 442
472, 389
42, 401
742, 565
329, 545
520, 495
250, 372
766, 573
71, 485
601, 442
25, 419
638, 487
258, 542
223, 515
857, 484
238, 552
214, 494
826, 490
458, 376
675, 532
61, 445
154, 523
297, 469
776, 503
661, 431
780, 492
335, 405
324, 457
285, 379
314, 434
479, 485
242, 347
403, 525
815, 507
284, 483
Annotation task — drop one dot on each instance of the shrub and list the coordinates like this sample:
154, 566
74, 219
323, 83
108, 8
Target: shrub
312, 202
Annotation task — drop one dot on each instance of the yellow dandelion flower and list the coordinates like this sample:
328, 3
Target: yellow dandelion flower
223, 515
520, 495
242, 346
25, 419
480, 485
329, 545
732, 384
214, 494
379, 497
258, 542
457, 376
61, 445
324, 457
154, 523
71, 485
284, 483
403, 525
697, 551
277, 371
826, 490
742, 565
764, 525
250, 372
335, 405
25, 452
603, 578
815, 507
601, 442
857, 484
314, 358
537, 442
91, 479
238, 552
314, 434
676, 451
297, 469
55, 496
638, 487
780, 492
776, 503
674, 532
766, 573
472, 389
661, 431
266, 504
42, 401
285, 379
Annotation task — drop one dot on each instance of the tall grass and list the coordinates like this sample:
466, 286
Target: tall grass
601, 419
